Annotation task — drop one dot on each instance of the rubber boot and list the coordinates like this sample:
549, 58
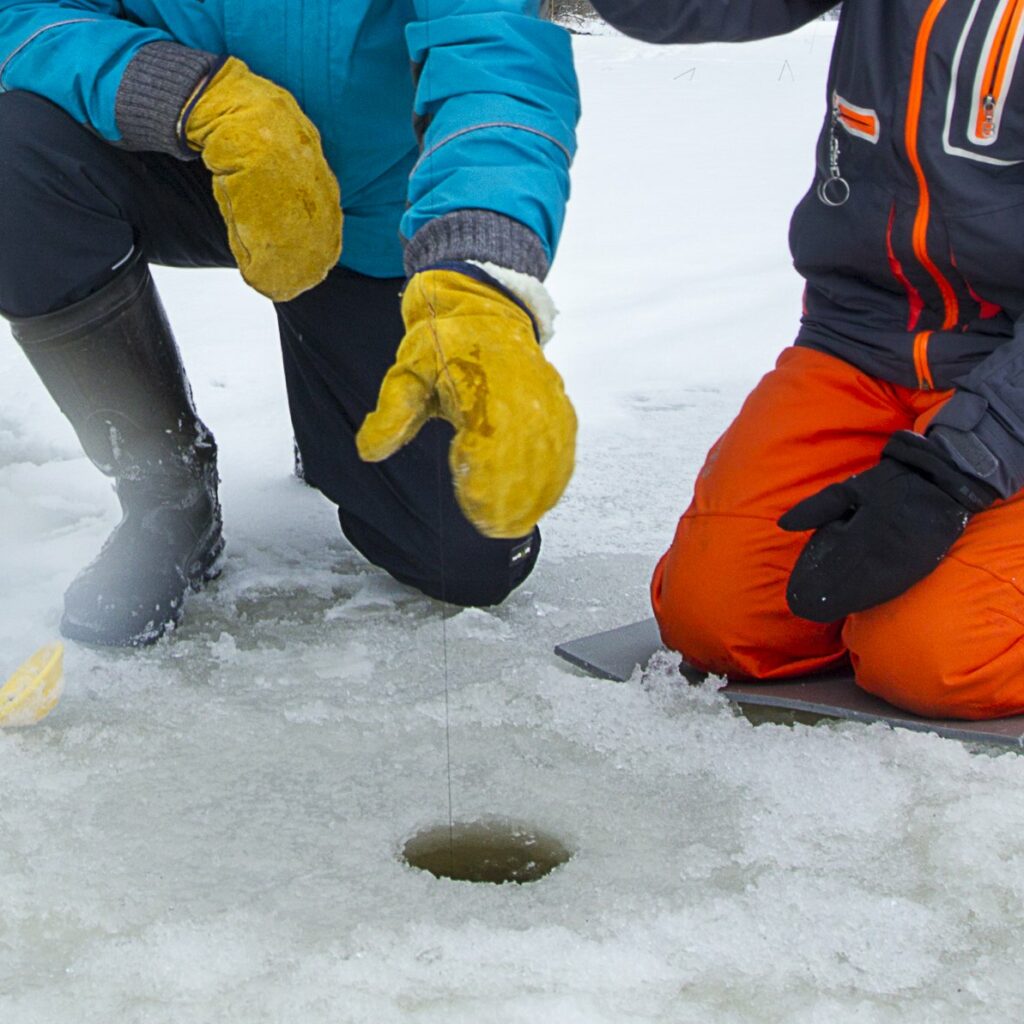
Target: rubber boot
111, 364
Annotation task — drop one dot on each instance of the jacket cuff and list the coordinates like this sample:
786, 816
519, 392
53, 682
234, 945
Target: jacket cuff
932, 461
979, 442
481, 235
155, 87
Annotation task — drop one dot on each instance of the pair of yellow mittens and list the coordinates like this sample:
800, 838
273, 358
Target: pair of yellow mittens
470, 353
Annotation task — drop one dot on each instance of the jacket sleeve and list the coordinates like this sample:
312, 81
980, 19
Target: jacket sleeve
496, 107
709, 21
981, 427
125, 81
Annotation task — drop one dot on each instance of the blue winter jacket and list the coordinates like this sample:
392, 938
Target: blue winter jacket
491, 81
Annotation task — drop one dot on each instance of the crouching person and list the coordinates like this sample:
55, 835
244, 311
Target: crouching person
213, 136
866, 502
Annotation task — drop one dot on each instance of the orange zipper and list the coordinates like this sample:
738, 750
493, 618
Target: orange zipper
996, 66
855, 121
920, 231
860, 122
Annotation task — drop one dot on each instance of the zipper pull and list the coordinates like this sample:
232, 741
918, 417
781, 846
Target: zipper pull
988, 124
835, 189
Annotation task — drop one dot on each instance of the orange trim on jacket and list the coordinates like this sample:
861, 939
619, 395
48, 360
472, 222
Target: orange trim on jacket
920, 236
924, 374
914, 300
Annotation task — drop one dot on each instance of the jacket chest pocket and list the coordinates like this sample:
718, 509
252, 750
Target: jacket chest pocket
985, 112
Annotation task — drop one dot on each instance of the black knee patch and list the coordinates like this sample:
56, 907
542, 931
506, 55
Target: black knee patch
480, 582
470, 570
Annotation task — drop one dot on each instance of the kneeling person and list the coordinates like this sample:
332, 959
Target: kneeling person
866, 502
137, 134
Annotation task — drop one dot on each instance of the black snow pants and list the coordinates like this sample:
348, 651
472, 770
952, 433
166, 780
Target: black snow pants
72, 208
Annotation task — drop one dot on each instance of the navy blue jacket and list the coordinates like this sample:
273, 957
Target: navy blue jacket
911, 237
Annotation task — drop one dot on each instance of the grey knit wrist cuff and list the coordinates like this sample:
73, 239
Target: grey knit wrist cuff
153, 92
477, 235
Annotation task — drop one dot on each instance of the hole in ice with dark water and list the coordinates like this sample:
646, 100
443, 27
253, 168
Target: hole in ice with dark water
494, 850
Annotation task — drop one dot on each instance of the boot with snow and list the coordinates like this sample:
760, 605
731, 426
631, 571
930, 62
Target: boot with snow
111, 364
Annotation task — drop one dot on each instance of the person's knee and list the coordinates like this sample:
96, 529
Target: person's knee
942, 649
719, 598
465, 569
481, 573
707, 616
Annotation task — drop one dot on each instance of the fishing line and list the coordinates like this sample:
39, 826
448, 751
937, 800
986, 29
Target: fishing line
444, 659
429, 169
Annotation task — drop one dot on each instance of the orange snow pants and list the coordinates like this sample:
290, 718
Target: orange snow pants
950, 647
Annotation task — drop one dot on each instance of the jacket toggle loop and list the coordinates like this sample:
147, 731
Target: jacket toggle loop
835, 189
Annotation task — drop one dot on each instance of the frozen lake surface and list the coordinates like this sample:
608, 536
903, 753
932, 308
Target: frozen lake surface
209, 830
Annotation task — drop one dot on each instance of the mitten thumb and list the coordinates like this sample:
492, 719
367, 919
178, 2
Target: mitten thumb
403, 406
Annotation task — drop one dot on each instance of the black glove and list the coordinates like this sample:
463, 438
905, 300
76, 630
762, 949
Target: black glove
879, 532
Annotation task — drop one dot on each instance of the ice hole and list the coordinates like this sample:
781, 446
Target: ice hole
495, 850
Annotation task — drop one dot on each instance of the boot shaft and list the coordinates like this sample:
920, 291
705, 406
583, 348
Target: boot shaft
112, 365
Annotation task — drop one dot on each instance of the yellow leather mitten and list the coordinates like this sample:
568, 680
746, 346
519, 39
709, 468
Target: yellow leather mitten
274, 188
470, 356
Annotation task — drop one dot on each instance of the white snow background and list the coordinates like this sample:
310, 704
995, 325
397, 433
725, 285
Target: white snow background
209, 830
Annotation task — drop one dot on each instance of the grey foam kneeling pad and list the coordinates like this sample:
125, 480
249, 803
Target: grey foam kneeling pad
616, 653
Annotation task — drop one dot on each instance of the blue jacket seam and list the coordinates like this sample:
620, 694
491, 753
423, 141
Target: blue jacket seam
35, 35
491, 124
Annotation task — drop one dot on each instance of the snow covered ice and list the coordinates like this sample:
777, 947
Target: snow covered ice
209, 830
